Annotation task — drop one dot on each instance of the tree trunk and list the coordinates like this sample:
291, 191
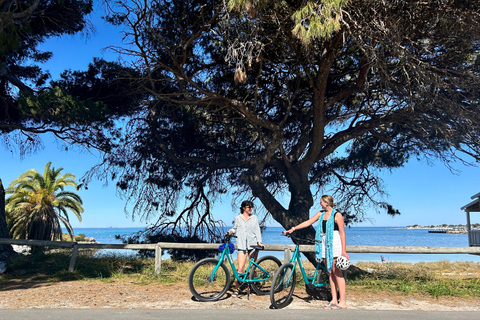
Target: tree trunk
299, 209
6, 250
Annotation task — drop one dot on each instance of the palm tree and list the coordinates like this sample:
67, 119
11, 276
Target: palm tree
38, 204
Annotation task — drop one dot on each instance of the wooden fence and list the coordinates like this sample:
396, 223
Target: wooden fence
287, 249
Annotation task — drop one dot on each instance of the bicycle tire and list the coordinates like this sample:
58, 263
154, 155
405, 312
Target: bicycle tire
202, 286
283, 286
271, 265
320, 292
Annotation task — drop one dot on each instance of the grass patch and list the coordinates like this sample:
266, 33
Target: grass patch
443, 278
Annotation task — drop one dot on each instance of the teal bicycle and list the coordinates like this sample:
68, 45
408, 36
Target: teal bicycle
285, 279
209, 278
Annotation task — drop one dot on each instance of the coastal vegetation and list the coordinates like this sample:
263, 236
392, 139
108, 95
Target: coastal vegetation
38, 204
442, 278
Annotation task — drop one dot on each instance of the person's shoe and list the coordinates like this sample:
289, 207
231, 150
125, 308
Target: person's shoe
236, 293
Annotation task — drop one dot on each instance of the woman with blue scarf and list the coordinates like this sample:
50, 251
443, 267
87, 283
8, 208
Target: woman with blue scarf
331, 232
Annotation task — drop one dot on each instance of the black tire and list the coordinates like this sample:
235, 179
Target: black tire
320, 292
202, 286
270, 264
283, 286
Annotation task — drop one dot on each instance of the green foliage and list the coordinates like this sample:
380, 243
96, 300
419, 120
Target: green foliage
442, 278
318, 19
311, 19
80, 237
23, 26
53, 266
38, 205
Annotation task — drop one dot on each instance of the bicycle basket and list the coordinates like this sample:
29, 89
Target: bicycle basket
230, 245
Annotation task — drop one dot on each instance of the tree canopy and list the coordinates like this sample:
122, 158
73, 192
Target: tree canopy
280, 101
31, 105
286, 100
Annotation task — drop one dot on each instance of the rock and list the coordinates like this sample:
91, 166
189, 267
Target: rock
22, 249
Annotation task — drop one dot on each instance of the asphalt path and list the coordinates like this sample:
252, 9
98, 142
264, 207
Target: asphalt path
211, 314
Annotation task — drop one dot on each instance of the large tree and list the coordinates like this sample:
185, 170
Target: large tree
38, 204
286, 100
281, 100
29, 105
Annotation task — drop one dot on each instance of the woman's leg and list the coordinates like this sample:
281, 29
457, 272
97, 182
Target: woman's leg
333, 287
241, 259
340, 286
253, 255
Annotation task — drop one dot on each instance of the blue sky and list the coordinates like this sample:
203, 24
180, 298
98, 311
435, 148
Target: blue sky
425, 194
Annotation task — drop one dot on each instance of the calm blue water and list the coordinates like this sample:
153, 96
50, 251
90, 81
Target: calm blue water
368, 236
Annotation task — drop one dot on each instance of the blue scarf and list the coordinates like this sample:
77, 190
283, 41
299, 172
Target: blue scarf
328, 242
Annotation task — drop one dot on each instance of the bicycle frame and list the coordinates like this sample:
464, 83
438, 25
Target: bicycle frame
296, 260
240, 276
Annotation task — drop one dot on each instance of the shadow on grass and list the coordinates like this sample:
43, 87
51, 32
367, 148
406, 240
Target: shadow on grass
41, 268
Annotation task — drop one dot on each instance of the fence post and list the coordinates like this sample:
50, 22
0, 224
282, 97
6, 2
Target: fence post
73, 260
158, 259
288, 254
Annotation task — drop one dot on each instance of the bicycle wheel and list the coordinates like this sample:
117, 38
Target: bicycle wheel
204, 284
320, 290
283, 286
270, 265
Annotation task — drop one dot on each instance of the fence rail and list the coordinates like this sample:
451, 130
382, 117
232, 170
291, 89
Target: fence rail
287, 249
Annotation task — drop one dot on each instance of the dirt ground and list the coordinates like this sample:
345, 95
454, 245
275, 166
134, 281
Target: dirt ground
130, 295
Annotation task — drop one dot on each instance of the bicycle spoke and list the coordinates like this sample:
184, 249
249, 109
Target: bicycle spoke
263, 274
205, 283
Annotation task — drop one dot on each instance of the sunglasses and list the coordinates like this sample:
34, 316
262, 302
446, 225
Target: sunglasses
249, 207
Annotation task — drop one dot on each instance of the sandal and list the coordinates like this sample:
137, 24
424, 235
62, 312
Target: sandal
236, 293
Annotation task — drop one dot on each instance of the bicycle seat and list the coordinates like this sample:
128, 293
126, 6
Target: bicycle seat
257, 247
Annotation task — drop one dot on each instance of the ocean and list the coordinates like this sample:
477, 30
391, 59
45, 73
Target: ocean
367, 236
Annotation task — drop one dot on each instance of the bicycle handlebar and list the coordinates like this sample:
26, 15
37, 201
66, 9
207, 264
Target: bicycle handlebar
228, 236
302, 239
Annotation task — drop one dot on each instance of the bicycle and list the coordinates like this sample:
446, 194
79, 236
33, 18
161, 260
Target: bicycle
285, 279
209, 278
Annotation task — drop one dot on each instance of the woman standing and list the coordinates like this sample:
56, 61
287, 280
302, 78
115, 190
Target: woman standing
331, 230
248, 233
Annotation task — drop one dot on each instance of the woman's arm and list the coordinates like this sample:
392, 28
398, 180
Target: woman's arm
304, 224
234, 228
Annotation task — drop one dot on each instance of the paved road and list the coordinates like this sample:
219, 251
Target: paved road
209, 314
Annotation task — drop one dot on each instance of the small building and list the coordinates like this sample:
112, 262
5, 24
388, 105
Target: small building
473, 235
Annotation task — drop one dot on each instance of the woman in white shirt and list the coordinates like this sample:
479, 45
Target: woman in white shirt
248, 233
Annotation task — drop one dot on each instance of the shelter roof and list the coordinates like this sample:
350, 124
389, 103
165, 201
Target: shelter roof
473, 206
